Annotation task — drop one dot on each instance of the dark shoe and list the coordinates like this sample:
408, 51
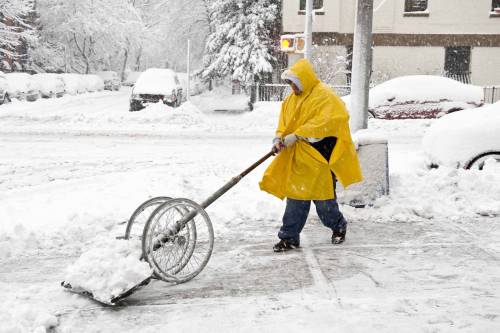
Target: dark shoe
284, 245
338, 236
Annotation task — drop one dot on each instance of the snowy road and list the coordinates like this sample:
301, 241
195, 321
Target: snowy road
73, 168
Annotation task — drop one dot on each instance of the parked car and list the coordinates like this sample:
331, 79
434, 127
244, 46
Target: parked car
464, 139
111, 80
156, 85
131, 78
22, 86
73, 83
4, 94
50, 85
93, 83
422, 96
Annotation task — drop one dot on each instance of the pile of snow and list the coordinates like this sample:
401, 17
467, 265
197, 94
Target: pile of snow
15, 318
221, 98
131, 78
93, 83
458, 137
109, 268
157, 81
421, 96
443, 193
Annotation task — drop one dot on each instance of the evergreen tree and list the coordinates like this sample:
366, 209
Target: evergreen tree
242, 40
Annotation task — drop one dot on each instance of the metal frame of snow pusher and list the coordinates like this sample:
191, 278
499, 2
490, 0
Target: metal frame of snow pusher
154, 241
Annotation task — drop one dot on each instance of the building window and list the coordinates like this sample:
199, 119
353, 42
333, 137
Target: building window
495, 4
317, 4
412, 6
457, 63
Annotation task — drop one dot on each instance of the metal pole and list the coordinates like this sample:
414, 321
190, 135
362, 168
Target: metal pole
361, 65
308, 30
188, 68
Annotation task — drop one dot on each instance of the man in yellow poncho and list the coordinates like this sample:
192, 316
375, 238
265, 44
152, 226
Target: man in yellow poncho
314, 146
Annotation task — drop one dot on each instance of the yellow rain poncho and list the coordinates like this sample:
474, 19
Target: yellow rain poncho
301, 172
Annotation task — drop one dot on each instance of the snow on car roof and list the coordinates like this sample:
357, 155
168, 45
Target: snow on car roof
156, 81
460, 136
423, 88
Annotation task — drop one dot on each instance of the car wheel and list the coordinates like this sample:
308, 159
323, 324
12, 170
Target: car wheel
478, 161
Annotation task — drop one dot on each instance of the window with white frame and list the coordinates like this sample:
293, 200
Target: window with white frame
412, 6
317, 4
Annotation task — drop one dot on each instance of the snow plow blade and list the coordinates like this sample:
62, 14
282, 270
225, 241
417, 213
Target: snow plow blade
112, 301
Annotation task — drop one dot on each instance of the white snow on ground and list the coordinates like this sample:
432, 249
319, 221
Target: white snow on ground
72, 168
458, 137
16, 318
108, 268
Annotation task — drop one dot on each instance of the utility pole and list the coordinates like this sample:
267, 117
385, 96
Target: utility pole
361, 65
188, 61
308, 32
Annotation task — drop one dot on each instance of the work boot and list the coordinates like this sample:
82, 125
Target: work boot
338, 236
285, 245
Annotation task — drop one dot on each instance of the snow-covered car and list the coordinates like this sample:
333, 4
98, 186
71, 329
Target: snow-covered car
50, 85
93, 83
111, 80
4, 94
131, 78
22, 86
155, 85
422, 96
464, 139
73, 83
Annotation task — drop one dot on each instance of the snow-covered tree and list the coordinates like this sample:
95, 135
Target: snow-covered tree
242, 39
15, 27
88, 34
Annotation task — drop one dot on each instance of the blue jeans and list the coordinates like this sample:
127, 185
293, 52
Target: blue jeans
296, 213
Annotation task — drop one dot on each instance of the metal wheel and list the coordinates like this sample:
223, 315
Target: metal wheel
178, 253
137, 221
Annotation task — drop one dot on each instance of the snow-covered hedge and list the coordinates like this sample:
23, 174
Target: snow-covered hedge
457, 138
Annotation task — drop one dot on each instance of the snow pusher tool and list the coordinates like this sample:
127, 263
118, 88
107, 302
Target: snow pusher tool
177, 237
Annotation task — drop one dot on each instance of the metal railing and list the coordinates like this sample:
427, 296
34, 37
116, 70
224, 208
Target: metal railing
463, 77
491, 94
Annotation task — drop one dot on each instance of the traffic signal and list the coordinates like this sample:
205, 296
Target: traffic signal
300, 43
288, 43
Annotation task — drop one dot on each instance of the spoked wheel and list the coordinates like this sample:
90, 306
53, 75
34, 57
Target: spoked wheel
182, 255
137, 221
